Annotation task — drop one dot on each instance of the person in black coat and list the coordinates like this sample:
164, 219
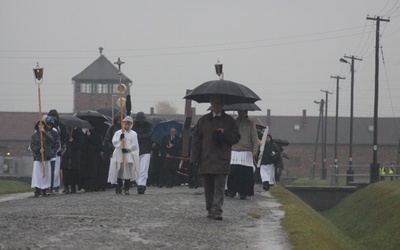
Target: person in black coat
171, 146
71, 159
108, 149
144, 129
271, 157
90, 161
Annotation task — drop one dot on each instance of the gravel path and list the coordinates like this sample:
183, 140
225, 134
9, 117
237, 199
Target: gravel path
161, 219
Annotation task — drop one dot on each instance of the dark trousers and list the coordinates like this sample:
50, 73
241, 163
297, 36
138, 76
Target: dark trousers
70, 177
214, 188
53, 168
193, 176
126, 184
168, 177
241, 180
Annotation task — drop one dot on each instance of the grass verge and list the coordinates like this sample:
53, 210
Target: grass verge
13, 186
371, 215
307, 228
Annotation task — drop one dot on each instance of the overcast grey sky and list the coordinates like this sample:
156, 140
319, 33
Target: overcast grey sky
285, 51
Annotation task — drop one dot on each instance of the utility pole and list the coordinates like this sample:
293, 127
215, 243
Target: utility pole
322, 131
324, 137
321, 108
374, 167
337, 114
350, 172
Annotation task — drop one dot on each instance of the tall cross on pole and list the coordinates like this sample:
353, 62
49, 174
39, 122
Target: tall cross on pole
119, 63
121, 89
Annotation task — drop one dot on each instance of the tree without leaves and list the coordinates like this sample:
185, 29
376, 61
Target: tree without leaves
165, 107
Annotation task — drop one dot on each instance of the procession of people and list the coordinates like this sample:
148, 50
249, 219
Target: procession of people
88, 160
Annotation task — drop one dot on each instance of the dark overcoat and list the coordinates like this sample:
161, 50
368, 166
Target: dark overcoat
175, 151
211, 157
90, 152
144, 129
35, 145
271, 154
71, 159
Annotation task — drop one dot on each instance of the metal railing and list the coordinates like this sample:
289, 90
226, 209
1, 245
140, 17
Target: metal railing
340, 176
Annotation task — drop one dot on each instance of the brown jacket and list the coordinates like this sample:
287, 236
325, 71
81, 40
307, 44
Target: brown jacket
210, 158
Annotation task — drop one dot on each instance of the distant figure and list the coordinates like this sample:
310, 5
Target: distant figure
41, 180
270, 158
144, 129
213, 137
382, 172
126, 156
62, 130
108, 149
71, 161
391, 172
90, 161
171, 146
241, 178
55, 147
155, 167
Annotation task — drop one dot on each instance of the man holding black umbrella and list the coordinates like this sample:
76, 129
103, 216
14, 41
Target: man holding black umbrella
213, 137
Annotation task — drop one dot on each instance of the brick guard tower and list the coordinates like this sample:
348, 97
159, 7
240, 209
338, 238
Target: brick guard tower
96, 86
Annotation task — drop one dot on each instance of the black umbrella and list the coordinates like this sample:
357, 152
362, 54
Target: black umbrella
74, 122
108, 111
92, 113
96, 119
240, 106
233, 92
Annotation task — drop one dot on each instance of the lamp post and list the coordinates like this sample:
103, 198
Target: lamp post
38, 72
321, 108
219, 70
350, 172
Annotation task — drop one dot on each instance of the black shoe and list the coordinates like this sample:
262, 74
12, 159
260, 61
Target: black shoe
141, 189
226, 193
44, 193
242, 196
266, 185
217, 217
36, 194
232, 194
118, 190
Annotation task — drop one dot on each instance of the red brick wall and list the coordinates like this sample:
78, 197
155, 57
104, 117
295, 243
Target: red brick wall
92, 101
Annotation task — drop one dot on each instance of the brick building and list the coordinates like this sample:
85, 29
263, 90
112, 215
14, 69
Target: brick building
96, 86
300, 131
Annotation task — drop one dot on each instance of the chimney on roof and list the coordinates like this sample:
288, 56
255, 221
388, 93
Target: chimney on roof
268, 117
101, 50
304, 118
152, 111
